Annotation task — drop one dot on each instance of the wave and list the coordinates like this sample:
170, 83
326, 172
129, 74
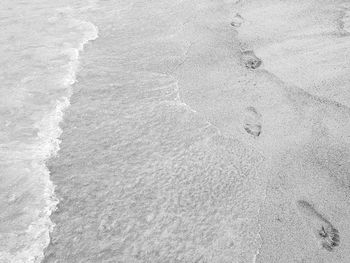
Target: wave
50, 130
36, 237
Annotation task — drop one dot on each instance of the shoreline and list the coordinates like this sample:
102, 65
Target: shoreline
41, 59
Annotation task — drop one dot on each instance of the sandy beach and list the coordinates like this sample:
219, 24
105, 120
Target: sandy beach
243, 151
193, 131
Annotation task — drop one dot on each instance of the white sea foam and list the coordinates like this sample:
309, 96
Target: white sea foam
47, 145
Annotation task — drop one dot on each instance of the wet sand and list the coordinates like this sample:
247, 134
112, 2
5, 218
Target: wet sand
220, 157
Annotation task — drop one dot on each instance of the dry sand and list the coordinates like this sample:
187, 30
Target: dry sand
300, 96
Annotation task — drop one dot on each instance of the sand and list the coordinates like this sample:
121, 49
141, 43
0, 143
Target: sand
214, 132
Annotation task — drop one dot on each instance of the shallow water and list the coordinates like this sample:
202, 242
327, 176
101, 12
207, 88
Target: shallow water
156, 163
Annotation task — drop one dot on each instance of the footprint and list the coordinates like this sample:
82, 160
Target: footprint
326, 234
252, 121
237, 20
250, 60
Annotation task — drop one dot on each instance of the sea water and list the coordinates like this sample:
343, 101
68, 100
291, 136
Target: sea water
39, 60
